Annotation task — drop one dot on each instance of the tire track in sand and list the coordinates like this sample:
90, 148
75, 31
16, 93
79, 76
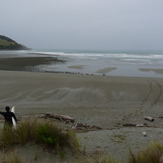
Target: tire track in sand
151, 98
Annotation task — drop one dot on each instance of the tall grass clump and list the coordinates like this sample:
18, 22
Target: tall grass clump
44, 133
7, 138
22, 135
153, 153
25, 132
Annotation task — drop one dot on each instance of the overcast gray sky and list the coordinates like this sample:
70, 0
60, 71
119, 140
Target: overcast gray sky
84, 24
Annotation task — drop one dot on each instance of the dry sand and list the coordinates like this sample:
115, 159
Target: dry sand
108, 102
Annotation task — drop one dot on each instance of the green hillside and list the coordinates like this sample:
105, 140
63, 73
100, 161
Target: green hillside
9, 44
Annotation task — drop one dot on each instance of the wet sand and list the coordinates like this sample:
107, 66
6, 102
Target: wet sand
158, 71
106, 70
76, 67
26, 63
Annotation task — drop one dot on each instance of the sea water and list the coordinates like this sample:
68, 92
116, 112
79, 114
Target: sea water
122, 63
118, 63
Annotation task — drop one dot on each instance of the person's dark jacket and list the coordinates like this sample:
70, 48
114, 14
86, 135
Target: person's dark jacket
8, 117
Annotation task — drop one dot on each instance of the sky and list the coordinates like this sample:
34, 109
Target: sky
84, 24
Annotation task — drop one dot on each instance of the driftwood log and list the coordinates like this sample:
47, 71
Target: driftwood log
144, 133
151, 119
65, 119
81, 126
139, 125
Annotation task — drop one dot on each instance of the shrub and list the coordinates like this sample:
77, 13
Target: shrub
48, 134
25, 131
53, 137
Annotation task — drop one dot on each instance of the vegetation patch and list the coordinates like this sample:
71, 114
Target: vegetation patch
118, 138
44, 133
153, 153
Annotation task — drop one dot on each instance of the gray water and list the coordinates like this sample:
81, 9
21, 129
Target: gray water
125, 63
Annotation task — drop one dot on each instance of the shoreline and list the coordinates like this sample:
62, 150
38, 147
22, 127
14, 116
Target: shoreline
55, 64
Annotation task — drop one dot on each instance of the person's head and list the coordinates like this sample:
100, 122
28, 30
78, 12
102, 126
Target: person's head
7, 108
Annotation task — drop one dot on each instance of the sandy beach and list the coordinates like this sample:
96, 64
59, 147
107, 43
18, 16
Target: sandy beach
104, 101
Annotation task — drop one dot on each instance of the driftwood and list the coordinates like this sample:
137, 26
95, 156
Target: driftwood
139, 125
144, 133
135, 125
81, 126
129, 125
151, 119
64, 118
67, 119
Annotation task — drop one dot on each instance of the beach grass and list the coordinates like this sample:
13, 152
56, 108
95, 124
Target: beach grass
153, 153
44, 133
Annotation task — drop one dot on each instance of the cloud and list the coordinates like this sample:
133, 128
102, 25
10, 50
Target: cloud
104, 24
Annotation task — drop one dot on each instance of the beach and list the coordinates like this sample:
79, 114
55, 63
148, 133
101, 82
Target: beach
115, 104
104, 101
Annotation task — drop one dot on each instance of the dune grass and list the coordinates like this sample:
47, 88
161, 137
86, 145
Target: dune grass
153, 153
44, 133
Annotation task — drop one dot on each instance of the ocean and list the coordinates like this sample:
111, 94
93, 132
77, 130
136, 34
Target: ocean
110, 63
